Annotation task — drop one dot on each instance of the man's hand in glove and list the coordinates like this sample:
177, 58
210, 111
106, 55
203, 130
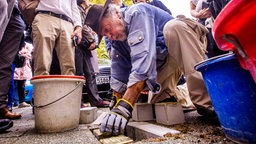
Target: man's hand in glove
115, 122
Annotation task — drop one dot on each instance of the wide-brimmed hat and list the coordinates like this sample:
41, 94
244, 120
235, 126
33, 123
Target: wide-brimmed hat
94, 17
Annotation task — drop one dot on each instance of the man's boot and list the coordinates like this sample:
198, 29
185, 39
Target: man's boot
6, 114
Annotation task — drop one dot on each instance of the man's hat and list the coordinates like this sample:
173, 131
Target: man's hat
94, 17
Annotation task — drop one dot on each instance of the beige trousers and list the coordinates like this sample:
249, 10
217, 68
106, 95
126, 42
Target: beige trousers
49, 32
185, 51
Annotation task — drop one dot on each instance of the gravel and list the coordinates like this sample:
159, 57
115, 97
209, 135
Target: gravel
196, 129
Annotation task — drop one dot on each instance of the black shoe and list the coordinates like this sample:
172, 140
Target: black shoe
5, 124
207, 112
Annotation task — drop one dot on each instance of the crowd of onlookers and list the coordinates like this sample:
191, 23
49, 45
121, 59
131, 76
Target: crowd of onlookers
149, 50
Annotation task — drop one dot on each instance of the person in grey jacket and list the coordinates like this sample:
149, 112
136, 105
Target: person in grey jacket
11, 32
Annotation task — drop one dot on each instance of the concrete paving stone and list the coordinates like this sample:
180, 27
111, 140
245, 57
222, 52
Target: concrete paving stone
196, 129
169, 113
143, 112
88, 115
143, 130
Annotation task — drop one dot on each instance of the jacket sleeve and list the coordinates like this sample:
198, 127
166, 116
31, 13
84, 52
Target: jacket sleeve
87, 33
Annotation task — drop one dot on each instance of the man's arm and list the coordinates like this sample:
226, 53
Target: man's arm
132, 93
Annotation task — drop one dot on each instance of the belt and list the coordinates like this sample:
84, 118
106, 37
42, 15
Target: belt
61, 16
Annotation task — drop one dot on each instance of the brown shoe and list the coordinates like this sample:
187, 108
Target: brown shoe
5, 113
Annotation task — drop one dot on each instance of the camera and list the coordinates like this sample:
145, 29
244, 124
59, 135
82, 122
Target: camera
75, 41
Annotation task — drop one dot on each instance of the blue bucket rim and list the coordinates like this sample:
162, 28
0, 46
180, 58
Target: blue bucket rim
215, 59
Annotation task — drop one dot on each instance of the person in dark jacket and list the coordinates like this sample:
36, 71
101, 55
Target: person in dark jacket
206, 11
216, 6
83, 57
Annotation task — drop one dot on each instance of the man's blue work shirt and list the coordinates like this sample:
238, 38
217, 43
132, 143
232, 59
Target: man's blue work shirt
145, 44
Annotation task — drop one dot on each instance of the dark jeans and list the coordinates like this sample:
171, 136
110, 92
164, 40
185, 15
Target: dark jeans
9, 47
12, 89
20, 84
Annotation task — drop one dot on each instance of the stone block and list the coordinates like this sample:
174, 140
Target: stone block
145, 130
88, 115
143, 112
169, 113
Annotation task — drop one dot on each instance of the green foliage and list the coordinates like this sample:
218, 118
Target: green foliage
102, 51
127, 2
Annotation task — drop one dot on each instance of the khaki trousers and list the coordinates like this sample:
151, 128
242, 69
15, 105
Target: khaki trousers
185, 51
49, 32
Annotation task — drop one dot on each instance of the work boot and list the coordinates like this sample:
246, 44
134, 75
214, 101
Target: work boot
6, 114
208, 112
5, 124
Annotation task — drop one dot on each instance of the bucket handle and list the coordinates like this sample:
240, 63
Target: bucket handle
233, 40
41, 106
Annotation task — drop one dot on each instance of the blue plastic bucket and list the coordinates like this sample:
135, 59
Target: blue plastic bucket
233, 94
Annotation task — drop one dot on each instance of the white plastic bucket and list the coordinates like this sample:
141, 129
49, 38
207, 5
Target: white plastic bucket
57, 101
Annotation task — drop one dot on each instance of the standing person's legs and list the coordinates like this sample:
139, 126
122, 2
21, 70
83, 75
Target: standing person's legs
21, 93
3, 17
91, 86
9, 47
21, 90
44, 34
48, 34
79, 68
65, 49
55, 66
79, 62
184, 46
11, 91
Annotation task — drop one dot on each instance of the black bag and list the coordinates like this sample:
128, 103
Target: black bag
84, 45
19, 61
